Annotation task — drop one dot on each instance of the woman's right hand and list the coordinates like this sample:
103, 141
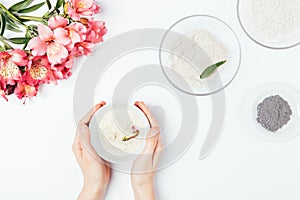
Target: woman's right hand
145, 165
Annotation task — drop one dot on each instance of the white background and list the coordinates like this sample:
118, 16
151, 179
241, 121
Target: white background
36, 160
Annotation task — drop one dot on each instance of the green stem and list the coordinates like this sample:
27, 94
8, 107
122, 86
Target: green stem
31, 18
12, 16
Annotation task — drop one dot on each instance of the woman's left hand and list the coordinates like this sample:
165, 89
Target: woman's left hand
96, 173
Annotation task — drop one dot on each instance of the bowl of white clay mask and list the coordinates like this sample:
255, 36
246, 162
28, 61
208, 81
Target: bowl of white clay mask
118, 133
273, 24
200, 55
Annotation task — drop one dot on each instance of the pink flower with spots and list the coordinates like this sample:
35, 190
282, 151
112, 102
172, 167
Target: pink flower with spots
83, 48
39, 71
24, 90
75, 32
50, 43
75, 8
9, 65
95, 31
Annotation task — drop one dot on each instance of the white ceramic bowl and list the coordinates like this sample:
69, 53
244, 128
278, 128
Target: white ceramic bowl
104, 148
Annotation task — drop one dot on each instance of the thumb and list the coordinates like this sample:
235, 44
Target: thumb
151, 141
84, 137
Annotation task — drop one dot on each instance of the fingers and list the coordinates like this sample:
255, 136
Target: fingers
141, 105
87, 118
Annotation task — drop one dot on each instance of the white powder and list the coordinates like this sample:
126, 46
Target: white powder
275, 20
183, 47
114, 134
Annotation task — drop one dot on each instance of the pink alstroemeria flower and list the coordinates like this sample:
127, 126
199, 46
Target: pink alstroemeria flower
63, 71
75, 32
75, 8
9, 65
82, 48
96, 30
57, 22
24, 90
50, 43
39, 71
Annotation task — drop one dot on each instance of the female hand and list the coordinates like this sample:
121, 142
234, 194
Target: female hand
143, 169
96, 173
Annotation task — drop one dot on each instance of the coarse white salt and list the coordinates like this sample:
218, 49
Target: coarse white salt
275, 20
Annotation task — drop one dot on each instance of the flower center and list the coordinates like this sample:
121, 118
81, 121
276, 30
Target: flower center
54, 49
10, 70
81, 5
38, 72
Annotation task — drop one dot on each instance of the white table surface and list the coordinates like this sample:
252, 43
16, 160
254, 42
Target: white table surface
35, 139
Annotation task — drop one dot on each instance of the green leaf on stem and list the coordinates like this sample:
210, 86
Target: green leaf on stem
11, 28
21, 5
32, 8
49, 4
2, 24
59, 3
18, 40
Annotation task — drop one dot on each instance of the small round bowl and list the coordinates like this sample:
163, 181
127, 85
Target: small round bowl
121, 117
197, 57
250, 27
288, 93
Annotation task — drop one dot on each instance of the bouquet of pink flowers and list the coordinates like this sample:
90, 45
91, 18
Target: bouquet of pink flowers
67, 30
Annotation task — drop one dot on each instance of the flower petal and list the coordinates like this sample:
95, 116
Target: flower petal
45, 33
57, 22
38, 46
19, 57
61, 36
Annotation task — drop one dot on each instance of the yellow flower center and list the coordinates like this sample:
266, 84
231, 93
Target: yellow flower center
9, 70
81, 5
38, 72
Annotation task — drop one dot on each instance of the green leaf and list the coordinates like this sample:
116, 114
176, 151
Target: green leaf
11, 23
21, 5
11, 28
2, 23
59, 3
49, 4
2, 49
32, 8
209, 70
18, 40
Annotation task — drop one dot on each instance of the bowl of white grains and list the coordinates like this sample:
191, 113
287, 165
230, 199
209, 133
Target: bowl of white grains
271, 23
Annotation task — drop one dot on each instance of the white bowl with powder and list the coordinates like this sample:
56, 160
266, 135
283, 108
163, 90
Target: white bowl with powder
260, 93
194, 43
271, 23
109, 127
